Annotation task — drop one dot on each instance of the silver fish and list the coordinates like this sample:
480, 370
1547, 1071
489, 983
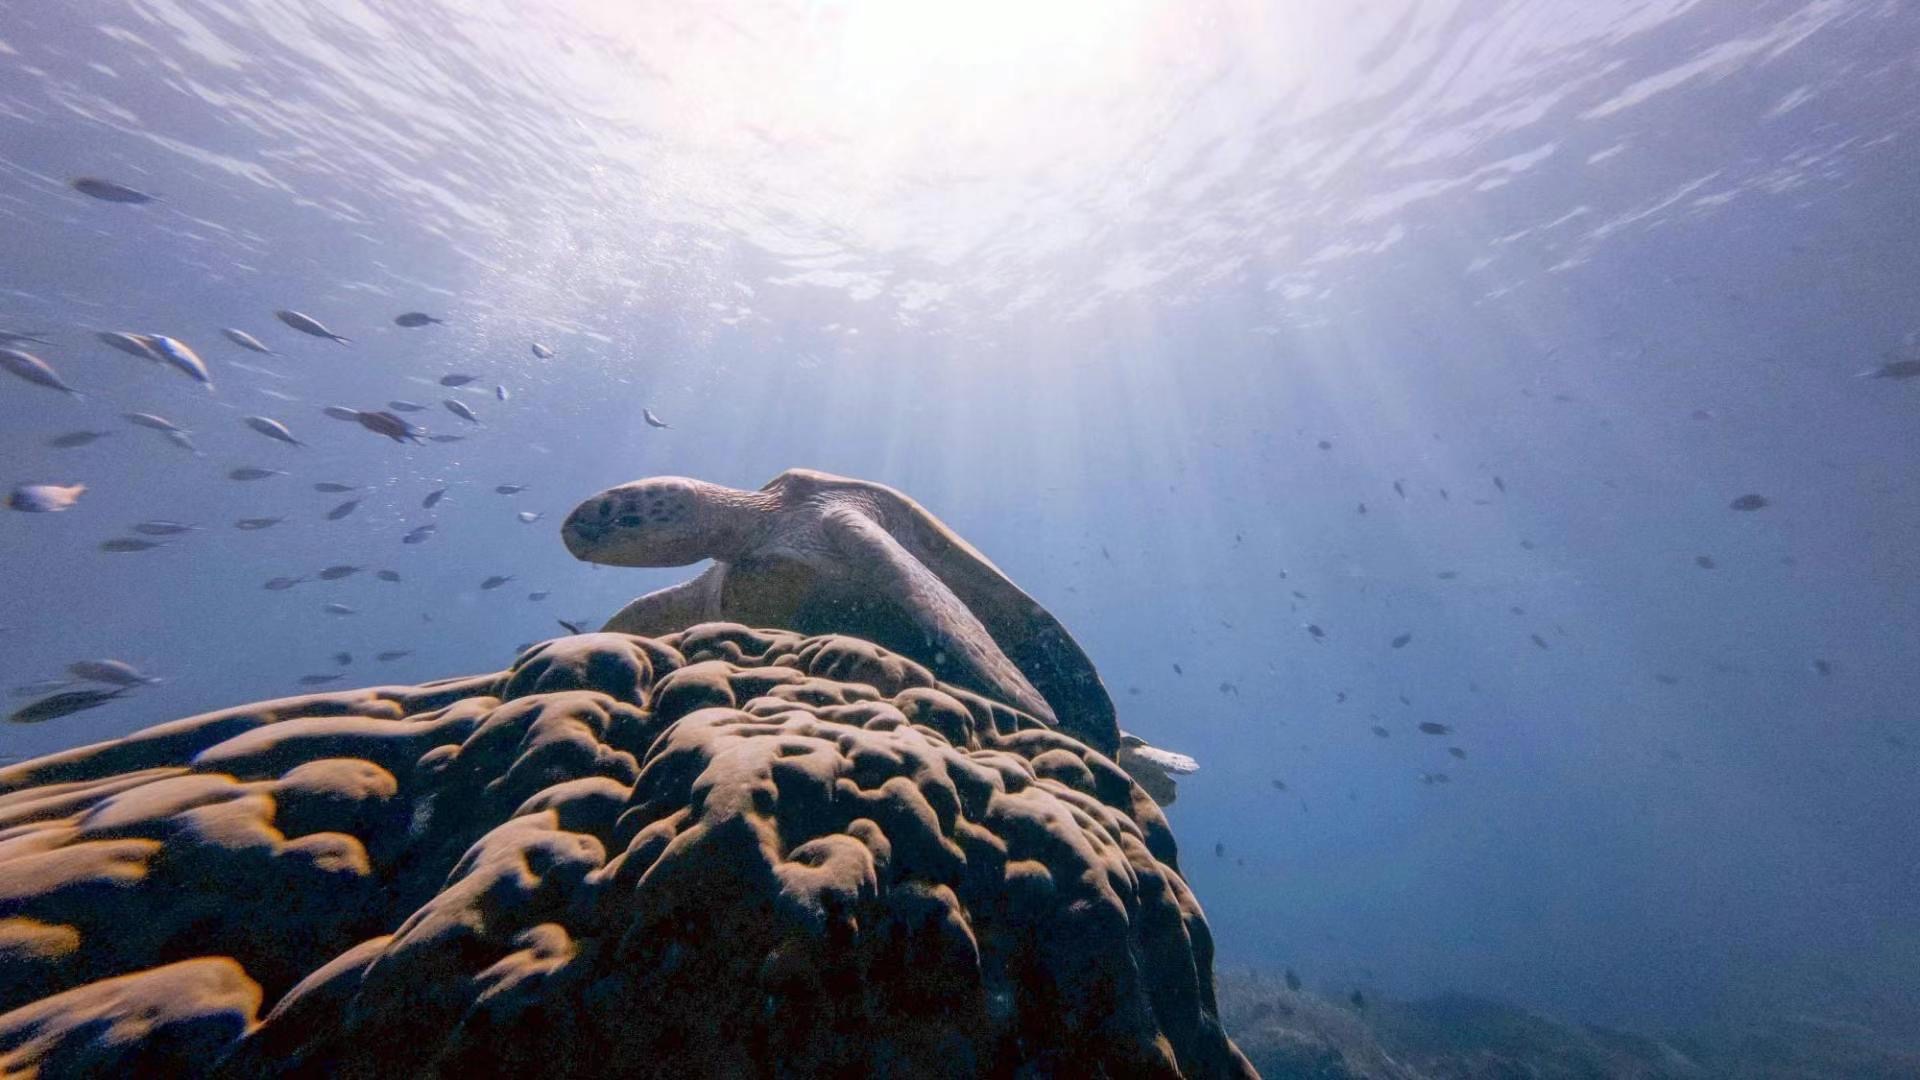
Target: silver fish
335, 573
44, 498
328, 487
343, 510
128, 543
500, 393
15, 337
110, 672
148, 420
282, 584
132, 345
406, 406
528, 516
246, 341
459, 409
541, 595
177, 353
456, 380
273, 429
418, 536
495, 581
73, 439
322, 680
447, 438
34, 370
542, 351
163, 528
255, 524
108, 191
415, 318
652, 420
387, 575
180, 439
249, 472
63, 704
337, 609
307, 324
509, 489
393, 654
341, 412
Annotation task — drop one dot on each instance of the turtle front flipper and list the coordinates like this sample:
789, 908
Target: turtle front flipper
949, 629
672, 609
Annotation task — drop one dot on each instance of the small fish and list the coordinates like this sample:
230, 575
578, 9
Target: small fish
385, 423
250, 472
182, 357
509, 489
322, 680
1399, 489
342, 510
15, 337
1538, 640
542, 351
1359, 1000
652, 420
337, 609
163, 528
1178, 670
123, 544
495, 582
572, 628
457, 380
406, 406
1401, 641
181, 440
418, 536
63, 704
1363, 509
44, 498
1665, 679
1501, 484
1748, 502
1447, 575
536, 597
282, 584
528, 517
1314, 629
433, 498
1434, 778
1701, 414
1704, 562
307, 324
446, 438
1457, 752
108, 191
500, 393
273, 429
341, 412
1293, 981
34, 370
1279, 785
132, 344
254, 524
1382, 732
110, 672
343, 658
415, 318
247, 341
1220, 850
387, 575
329, 487
393, 654
459, 409
335, 573
1825, 668
75, 439
1894, 368
44, 686
1428, 727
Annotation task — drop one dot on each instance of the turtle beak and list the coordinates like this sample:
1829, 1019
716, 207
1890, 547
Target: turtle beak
586, 527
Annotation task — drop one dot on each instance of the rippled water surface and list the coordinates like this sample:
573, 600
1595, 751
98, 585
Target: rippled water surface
1209, 322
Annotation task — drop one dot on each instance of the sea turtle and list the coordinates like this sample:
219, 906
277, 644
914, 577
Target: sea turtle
819, 553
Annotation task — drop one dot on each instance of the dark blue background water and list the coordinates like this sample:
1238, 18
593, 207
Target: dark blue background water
1083, 278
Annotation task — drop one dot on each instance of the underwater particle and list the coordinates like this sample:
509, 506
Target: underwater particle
109, 191
123, 544
459, 408
164, 528
246, 341
412, 319
1749, 502
393, 654
338, 609
1401, 641
282, 584
272, 429
1429, 727
309, 325
255, 524
1704, 562
62, 704
75, 439
1538, 640
250, 472
457, 380
509, 489
1701, 414
1293, 981
44, 498
335, 573
1824, 667
343, 510
406, 406
542, 351
34, 370
322, 680
652, 420
1457, 752
496, 581
110, 672
1382, 732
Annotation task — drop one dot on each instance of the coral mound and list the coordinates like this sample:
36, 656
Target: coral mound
724, 852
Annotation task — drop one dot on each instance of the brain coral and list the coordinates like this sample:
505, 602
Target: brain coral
724, 852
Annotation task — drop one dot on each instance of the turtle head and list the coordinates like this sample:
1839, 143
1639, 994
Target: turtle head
660, 521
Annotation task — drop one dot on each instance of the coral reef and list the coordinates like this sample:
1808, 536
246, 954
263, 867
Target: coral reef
721, 852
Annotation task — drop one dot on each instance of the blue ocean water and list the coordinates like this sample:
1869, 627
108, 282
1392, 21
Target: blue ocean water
1209, 323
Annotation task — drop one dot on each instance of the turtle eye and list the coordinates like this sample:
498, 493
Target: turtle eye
628, 521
